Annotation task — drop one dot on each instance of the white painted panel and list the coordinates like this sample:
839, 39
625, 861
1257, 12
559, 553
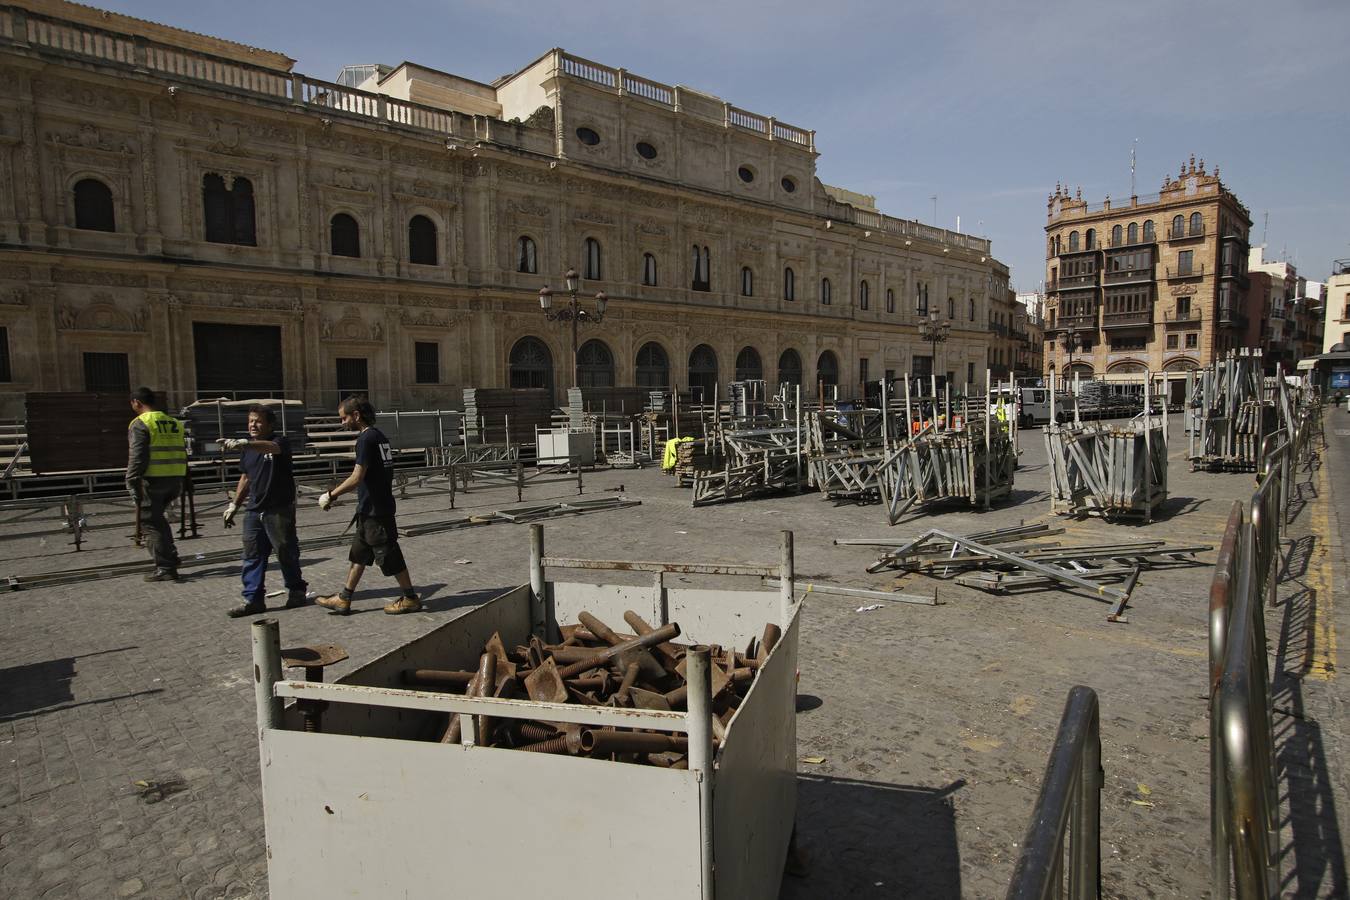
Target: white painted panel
359, 817
755, 789
607, 602
729, 618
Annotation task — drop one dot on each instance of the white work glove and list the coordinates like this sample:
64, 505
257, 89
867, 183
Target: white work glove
228, 518
233, 443
325, 501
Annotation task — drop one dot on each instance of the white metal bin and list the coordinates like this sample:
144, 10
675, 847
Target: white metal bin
365, 810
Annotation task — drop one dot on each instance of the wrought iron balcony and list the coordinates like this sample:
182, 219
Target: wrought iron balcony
1131, 319
1181, 315
1129, 276
1186, 272
1185, 234
1077, 282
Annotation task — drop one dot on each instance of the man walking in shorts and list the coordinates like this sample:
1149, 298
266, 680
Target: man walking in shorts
376, 538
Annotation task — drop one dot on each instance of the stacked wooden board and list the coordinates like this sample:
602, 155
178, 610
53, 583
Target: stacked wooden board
72, 431
487, 410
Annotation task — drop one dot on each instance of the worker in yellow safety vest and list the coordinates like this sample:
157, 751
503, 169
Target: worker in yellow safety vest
156, 470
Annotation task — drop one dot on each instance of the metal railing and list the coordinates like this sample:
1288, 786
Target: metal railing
1244, 795
1186, 271
1069, 805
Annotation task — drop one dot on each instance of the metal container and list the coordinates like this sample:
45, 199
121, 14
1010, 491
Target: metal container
368, 808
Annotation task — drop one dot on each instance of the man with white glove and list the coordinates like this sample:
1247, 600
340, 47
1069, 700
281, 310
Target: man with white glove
325, 501
267, 483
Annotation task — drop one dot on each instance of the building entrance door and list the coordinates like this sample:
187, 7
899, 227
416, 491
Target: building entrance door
352, 377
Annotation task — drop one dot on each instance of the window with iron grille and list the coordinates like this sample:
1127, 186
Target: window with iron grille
229, 210
428, 362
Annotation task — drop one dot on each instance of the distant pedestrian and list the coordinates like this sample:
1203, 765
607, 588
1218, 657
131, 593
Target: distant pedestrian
156, 469
376, 538
268, 480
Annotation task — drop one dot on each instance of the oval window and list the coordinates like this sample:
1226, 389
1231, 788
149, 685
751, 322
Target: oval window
646, 150
588, 136
788, 184
746, 174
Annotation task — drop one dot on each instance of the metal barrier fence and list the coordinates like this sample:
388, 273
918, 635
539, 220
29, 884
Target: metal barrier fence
1069, 806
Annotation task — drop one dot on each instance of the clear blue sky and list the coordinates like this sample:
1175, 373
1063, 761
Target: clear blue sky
984, 103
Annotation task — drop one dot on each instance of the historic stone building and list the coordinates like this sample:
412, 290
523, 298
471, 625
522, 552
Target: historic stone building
189, 213
1157, 283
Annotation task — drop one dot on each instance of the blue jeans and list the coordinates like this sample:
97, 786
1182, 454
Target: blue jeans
264, 532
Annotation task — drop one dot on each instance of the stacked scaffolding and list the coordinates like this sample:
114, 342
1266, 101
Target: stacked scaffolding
974, 465
1109, 470
1231, 414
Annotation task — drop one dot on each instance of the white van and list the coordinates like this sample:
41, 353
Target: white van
1035, 408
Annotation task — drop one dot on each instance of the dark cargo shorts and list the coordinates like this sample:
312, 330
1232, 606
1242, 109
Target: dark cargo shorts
376, 541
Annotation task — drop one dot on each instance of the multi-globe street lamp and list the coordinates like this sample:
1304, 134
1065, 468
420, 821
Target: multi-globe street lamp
573, 312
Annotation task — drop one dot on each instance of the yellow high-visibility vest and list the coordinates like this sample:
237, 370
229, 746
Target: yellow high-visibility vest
168, 450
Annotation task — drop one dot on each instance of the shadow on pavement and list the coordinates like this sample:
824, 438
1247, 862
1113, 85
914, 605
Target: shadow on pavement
867, 838
1313, 862
39, 687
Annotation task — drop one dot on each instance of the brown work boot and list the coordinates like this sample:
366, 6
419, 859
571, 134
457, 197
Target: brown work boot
408, 604
337, 603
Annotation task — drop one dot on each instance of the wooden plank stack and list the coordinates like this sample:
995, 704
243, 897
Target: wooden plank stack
486, 411
72, 431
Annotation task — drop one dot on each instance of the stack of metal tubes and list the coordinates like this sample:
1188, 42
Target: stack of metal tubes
594, 665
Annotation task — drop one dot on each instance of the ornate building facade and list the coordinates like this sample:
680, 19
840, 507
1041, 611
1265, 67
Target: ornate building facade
1157, 283
189, 213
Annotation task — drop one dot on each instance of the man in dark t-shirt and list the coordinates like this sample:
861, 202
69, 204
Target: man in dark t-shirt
269, 513
376, 538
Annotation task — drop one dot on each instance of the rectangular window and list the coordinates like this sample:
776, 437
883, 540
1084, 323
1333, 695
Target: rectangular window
107, 373
970, 373
1171, 342
862, 371
1185, 261
5, 373
922, 366
352, 376
428, 358
1183, 305
1192, 340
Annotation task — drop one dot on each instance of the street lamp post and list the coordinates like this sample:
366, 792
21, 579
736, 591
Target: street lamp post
573, 313
934, 331
1073, 341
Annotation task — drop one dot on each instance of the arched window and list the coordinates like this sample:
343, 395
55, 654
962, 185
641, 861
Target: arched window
748, 365
1178, 226
94, 206
592, 253
1073, 241
653, 366
921, 298
1132, 233
527, 255
703, 371
972, 309
826, 297
827, 368
789, 284
747, 282
1148, 230
951, 308
344, 236
531, 364
1116, 233
1197, 223
890, 300
702, 267
790, 368
229, 211
1090, 239
595, 365
422, 241
864, 295
649, 269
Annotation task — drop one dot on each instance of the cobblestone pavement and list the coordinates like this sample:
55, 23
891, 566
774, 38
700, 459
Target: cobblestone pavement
126, 711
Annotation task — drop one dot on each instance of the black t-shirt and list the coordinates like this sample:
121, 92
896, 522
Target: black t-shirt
271, 478
375, 493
